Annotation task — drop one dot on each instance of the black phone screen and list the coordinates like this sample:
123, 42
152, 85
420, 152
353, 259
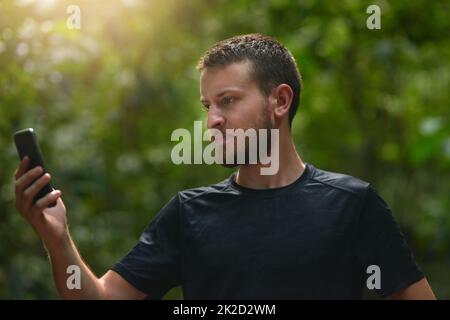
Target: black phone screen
27, 145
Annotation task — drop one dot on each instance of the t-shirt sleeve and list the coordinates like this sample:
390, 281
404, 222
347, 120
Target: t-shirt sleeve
380, 242
153, 264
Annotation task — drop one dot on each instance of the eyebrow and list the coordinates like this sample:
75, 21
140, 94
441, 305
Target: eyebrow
220, 94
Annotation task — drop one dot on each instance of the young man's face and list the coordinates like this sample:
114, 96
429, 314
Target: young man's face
233, 101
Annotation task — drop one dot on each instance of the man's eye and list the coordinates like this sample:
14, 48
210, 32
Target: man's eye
227, 100
205, 107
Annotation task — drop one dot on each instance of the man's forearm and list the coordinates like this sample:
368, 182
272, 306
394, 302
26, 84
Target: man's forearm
64, 254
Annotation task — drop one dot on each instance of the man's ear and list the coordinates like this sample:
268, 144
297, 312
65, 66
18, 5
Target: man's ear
282, 98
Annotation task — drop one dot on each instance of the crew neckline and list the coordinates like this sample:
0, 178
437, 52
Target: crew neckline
273, 191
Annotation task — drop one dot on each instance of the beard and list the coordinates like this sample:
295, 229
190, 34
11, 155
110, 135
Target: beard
244, 151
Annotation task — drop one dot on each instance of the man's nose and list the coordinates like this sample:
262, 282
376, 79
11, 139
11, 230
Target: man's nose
215, 119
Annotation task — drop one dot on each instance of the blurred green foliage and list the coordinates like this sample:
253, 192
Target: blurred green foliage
104, 100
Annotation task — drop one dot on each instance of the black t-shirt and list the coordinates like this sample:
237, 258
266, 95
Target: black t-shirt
312, 239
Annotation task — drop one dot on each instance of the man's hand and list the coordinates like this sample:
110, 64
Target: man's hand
49, 223
51, 226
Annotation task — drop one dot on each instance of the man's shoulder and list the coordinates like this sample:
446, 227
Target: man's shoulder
341, 181
326, 179
199, 192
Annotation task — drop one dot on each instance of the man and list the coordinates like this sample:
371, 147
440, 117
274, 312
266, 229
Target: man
299, 233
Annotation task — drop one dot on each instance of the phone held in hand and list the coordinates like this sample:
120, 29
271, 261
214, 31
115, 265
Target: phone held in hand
27, 145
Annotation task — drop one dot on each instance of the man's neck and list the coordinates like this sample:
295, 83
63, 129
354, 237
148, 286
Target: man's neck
291, 167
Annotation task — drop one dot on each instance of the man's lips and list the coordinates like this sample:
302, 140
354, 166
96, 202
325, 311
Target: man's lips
220, 138
217, 139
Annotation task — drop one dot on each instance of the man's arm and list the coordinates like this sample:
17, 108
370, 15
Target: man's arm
110, 286
420, 290
51, 226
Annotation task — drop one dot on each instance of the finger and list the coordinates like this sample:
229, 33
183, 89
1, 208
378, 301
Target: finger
44, 202
33, 190
26, 179
22, 167
59, 202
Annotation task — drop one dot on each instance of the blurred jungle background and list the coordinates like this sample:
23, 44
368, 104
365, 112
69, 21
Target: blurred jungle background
105, 98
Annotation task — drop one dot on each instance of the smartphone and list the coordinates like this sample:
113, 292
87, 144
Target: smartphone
27, 145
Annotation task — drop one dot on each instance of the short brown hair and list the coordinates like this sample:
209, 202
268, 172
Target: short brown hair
272, 63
